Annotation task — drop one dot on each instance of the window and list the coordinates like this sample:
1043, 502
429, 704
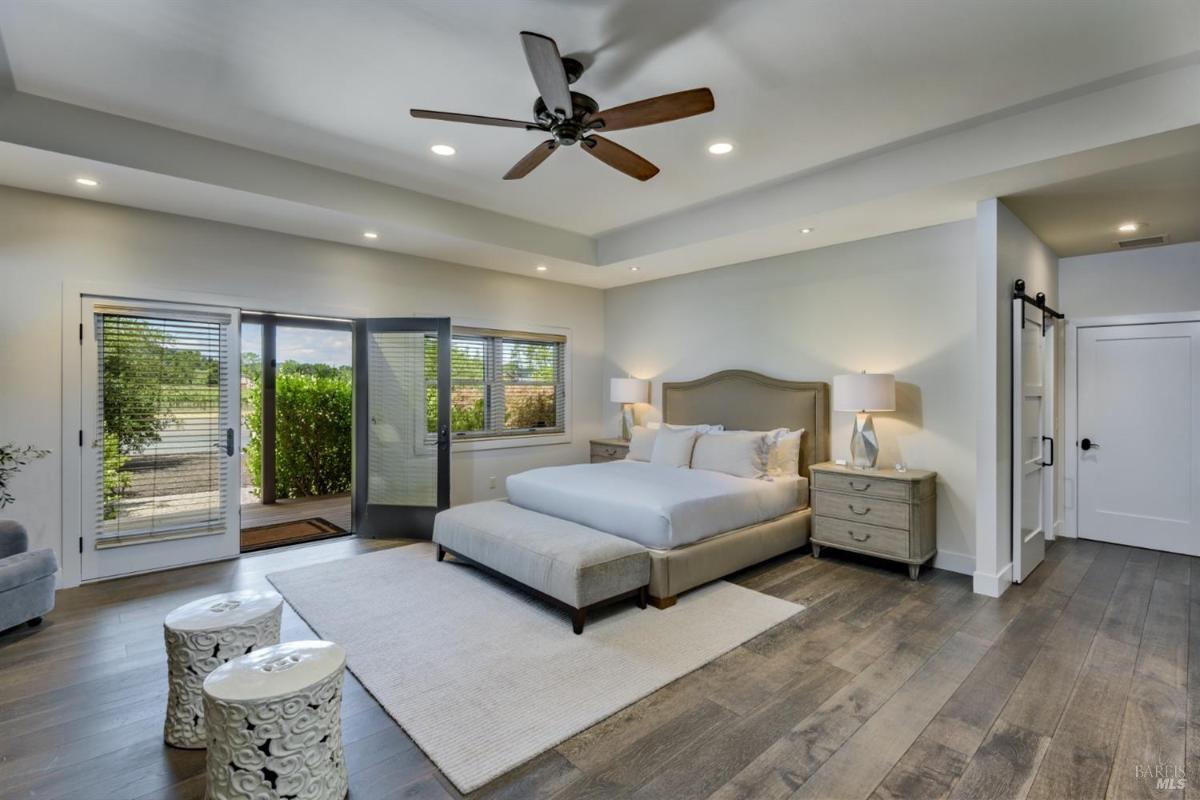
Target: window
503, 383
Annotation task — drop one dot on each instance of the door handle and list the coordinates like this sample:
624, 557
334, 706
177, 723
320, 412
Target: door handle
1049, 439
1088, 444
229, 442
444, 436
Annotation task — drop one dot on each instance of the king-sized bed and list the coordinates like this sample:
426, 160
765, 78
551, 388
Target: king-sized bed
698, 525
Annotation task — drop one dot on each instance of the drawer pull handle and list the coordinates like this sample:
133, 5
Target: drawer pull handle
863, 488
854, 536
854, 510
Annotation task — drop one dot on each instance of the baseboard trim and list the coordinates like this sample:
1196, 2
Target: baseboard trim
950, 561
993, 585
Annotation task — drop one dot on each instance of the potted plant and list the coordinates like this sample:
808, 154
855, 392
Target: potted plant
12, 458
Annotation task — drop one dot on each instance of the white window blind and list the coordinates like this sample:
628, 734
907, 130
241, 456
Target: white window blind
507, 383
163, 425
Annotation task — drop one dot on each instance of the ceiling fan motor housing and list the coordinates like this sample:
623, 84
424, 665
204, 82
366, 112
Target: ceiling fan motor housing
570, 130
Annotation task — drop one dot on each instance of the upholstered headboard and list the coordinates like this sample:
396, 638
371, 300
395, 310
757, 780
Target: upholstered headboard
747, 401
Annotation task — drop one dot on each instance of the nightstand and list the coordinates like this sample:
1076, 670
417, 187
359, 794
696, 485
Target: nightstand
609, 450
880, 512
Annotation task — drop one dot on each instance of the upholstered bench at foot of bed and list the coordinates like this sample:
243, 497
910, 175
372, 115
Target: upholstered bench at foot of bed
573, 565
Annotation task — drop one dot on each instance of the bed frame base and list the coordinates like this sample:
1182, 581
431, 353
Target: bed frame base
663, 602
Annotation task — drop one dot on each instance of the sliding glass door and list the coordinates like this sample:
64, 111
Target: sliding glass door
401, 425
158, 433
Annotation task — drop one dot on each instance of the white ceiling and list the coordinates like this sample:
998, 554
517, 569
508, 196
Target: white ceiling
1080, 216
797, 85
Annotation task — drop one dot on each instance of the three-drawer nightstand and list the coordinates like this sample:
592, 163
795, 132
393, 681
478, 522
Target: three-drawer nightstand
609, 450
880, 512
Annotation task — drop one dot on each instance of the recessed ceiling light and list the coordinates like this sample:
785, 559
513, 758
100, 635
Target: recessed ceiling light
443, 149
1129, 227
720, 148
806, 230
542, 268
633, 269
370, 235
87, 182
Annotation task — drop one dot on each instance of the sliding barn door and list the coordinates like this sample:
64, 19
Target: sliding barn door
1031, 376
159, 436
401, 425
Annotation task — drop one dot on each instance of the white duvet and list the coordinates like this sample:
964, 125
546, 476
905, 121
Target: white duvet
652, 504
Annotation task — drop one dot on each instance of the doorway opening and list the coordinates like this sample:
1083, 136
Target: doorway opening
297, 437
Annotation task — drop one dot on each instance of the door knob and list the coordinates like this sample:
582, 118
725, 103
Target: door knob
1088, 444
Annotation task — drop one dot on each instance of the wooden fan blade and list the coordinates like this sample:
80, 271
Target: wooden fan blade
546, 65
474, 119
534, 157
665, 108
619, 157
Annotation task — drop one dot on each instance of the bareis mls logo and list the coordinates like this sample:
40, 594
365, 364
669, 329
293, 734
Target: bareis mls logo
1166, 777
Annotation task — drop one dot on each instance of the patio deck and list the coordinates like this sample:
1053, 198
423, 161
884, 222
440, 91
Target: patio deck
334, 508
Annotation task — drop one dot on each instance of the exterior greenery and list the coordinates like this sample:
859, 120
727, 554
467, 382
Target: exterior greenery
313, 435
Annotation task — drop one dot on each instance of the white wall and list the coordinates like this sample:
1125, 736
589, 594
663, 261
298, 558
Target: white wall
1147, 281
1005, 251
902, 303
46, 240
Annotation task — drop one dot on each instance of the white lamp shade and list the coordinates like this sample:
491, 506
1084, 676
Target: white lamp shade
864, 392
628, 390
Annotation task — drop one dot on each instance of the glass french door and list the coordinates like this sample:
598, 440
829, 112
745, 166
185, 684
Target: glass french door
401, 425
159, 435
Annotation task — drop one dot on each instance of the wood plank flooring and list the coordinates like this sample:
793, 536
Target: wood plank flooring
1076, 684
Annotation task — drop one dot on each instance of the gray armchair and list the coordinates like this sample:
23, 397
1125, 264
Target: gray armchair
26, 578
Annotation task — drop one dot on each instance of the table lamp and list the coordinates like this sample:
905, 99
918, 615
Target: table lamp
628, 391
861, 394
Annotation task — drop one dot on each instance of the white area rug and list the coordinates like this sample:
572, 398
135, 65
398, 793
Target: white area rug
482, 676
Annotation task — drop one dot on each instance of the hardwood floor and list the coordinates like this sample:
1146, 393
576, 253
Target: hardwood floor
884, 688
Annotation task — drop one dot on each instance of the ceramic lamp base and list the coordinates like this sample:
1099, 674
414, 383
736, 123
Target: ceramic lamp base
864, 445
627, 421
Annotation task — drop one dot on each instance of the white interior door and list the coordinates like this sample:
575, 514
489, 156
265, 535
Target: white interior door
1030, 359
1138, 451
159, 434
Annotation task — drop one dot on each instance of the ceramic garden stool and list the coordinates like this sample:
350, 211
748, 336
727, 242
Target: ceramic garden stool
275, 724
203, 635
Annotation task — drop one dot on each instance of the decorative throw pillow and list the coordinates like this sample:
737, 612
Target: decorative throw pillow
673, 447
740, 453
641, 444
784, 457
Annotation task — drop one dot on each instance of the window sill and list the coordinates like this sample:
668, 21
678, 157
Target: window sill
506, 442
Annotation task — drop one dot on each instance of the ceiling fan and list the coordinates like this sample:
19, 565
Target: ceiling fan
573, 118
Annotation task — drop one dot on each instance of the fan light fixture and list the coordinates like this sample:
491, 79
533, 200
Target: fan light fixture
87, 182
443, 150
720, 148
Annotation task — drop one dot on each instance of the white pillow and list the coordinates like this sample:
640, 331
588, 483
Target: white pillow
740, 453
697, 428
784, 456
641, 443
673, 447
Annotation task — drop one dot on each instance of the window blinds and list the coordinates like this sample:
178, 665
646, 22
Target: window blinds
163, 425
507, 383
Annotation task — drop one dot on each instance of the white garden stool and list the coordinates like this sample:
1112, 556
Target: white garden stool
203, 635
275, 724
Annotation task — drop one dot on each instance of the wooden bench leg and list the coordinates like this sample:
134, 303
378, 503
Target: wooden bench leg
441, 553
642, 592
663, 602
578, 617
